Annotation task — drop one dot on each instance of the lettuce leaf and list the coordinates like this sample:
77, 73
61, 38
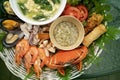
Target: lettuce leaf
73, 2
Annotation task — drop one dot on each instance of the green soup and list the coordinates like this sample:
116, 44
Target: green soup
39, 10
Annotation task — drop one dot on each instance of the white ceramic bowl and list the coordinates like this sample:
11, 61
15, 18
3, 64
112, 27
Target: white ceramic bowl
18, 12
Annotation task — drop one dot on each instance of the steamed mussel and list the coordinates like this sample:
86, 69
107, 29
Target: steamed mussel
8, 8
12, 38
9, 24
12, 27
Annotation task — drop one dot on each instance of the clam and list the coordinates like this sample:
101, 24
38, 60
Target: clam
12, 38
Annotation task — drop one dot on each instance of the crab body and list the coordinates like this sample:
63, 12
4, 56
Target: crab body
62, 58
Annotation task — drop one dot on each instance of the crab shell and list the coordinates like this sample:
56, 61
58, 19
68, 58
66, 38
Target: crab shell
61, 58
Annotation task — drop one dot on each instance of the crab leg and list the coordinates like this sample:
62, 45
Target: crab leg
61, 71
54, 66
83, 52
79, 66
47, 62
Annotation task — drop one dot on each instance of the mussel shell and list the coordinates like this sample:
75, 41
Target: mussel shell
1, 19
9, 45
1, 27
3, 12
7, 8
13, 19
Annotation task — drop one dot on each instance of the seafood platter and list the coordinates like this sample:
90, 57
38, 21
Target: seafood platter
50, 39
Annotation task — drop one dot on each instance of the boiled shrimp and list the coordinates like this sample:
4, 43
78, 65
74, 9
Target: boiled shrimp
31, 58
28, 59
20, 50
37, 68
34, 53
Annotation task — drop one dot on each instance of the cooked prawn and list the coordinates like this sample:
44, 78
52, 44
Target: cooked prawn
34, 53
28, 59
42, 53
37, 68
20, 50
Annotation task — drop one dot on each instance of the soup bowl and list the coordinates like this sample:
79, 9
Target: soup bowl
37, 12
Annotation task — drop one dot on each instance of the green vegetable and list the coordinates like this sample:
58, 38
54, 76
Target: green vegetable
98, 6
30, 74
46, 7
90, 57
111, 34
44, 4
67, 74
41, 1
107, 17
38, 17
73, 2
23, 8
56, 1
2, 34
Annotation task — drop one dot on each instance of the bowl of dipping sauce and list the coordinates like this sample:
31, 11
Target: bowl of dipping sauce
66, 33
38, 12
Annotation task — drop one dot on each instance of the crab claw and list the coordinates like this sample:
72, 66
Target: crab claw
83, 53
